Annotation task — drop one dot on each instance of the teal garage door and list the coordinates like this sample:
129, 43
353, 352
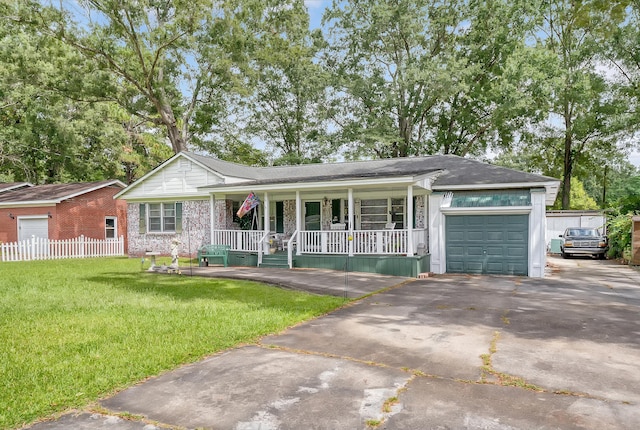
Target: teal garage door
487, 244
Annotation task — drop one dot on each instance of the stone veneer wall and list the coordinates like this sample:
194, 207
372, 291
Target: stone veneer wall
195, 231
420, 210
223, 215
289, 209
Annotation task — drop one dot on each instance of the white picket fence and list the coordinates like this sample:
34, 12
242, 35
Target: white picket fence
38, 248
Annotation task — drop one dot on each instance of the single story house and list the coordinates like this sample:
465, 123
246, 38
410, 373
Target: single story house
62, 211
404, 216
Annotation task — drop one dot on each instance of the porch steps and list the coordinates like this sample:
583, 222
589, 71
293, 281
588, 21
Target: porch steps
277, 260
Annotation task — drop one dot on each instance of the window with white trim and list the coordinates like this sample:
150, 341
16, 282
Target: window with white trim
376, 213
161, 217
110, 227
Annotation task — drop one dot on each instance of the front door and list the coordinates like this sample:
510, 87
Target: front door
312, 216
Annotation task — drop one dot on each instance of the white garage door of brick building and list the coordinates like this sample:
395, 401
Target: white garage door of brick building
29, 227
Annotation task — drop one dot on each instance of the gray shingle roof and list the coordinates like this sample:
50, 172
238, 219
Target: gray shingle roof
456, 171
53, 192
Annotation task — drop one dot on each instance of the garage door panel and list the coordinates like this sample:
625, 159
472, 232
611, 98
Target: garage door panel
516, 236
456, 267
457, 236
495, 268
472, 267
519, 252
493, 251
475, 236
492, 244
472, 251
495, 236
472, 221
515, 268
455, 221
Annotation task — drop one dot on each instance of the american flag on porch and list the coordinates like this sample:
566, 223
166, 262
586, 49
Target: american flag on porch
249, 203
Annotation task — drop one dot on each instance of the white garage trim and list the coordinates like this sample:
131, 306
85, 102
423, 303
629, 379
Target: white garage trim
537, 229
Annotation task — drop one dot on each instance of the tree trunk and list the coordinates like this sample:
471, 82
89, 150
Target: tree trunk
568, 167
173, 132
405, 128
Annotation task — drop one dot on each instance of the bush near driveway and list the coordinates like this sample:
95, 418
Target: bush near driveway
619, 234
72, 331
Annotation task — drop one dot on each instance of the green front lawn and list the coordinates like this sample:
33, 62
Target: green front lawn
72, 331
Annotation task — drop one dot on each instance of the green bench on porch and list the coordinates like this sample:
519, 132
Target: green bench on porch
209, 252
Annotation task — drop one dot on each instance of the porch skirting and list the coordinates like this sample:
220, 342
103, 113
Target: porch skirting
395, 265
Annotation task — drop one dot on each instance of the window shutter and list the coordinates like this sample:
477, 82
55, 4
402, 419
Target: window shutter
142, 229
178, 217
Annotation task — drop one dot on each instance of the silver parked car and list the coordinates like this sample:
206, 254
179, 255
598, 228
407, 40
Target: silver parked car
583, 241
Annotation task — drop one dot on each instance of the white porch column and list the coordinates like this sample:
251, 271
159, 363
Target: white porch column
537, 232
352, 219
265, 215
437, 247
409, 221
265, 221
298, 220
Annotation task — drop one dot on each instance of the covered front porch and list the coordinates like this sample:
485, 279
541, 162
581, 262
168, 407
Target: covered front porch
369, 226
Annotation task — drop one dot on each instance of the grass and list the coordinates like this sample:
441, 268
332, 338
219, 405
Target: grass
72, 331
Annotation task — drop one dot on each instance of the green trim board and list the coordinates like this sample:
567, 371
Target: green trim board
395, 265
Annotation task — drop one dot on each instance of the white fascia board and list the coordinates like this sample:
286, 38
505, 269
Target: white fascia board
169, 198
31, 204
79, 193
301, 186
34, 203
497, 210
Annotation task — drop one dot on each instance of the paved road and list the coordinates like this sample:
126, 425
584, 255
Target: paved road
448, 352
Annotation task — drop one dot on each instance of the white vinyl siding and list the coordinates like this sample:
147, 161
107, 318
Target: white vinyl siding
182, 177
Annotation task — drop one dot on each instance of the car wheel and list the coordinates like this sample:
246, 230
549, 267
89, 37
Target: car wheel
565, 255
601, 256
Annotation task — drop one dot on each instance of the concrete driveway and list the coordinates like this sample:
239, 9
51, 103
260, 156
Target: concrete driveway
447, 352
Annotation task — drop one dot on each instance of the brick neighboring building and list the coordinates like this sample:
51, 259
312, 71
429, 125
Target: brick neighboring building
62, 211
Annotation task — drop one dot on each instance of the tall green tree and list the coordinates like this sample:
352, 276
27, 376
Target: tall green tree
584, 116
424, 77
286, 108
171, 62
50, 132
